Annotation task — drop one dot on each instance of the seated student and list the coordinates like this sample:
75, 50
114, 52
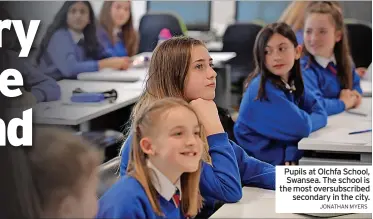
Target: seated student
182, 67
327, 66
70, 45
55, 178
164, 167
38, 87
116, 32
276, 110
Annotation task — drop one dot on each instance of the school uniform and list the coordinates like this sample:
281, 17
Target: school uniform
320, 77
231, 169
40, 85
65, 57
127, 198
269, 130
114, 50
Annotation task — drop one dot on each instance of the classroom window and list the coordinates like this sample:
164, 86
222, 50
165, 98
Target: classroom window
266, 11
195, 14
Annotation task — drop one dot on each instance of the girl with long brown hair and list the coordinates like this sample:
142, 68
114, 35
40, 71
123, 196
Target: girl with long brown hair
70, 45
276, 111
116, 32
327, 65
182, 67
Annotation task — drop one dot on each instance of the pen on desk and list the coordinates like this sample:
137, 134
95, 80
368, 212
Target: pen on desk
359, 132
357, 113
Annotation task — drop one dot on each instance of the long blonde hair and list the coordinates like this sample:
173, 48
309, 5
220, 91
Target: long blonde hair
129, 34
293, 15
167, 76
145, 123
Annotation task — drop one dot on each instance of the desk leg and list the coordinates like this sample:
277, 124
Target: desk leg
84, 127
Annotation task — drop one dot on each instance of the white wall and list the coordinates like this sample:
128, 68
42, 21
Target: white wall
222, 14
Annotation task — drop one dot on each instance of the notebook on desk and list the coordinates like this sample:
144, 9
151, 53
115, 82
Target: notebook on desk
109, 75
366, 86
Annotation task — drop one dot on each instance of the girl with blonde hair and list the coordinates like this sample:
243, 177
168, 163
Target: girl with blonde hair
182, 67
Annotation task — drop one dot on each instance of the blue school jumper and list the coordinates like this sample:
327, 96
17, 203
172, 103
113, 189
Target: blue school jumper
231, 169
114, 50
127, 199
40, 85
325, 85
269, 130
65, 58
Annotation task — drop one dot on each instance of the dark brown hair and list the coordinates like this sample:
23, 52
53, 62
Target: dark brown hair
91, 46
129, 34
259, 57
341, 48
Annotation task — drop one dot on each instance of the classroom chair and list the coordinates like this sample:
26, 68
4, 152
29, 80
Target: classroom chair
227, 122
107, 141
152, 23
360, 41
240, 38
108, 175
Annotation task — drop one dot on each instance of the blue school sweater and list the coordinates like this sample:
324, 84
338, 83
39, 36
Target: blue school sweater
40, 85
231, 169
65, 59
270, 130
325, 85
127, 199
114, 50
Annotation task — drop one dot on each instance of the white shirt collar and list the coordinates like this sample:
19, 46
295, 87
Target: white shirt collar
290, 87
116, 31
162, 184
325, 61
76, 36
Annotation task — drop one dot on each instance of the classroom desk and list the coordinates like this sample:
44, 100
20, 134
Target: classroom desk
218, 57
69, 114
366, 86
261, 203
337, 129
214, 45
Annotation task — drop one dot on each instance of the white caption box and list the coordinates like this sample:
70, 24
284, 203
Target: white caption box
323, 189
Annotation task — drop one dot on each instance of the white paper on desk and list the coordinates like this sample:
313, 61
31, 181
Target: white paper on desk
341, 136
366, 86
60, 112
